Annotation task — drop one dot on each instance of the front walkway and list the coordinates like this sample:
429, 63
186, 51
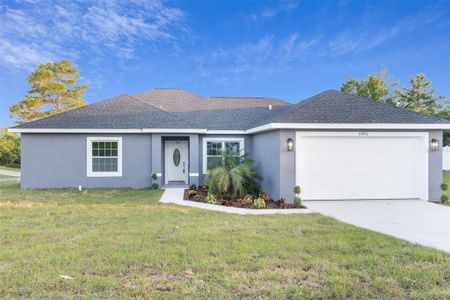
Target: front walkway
416, 221
175, 196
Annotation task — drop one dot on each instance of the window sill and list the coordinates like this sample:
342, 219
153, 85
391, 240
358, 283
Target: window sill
105, 174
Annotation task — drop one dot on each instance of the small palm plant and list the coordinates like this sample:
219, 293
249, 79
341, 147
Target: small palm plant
235, 177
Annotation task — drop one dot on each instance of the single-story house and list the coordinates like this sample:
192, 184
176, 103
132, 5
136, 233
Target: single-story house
334, 145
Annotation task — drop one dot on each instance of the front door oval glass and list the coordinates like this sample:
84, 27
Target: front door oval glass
176, 157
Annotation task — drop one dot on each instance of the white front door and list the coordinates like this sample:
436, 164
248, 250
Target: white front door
176, 162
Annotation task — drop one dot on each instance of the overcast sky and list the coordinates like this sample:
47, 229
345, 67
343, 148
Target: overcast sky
289, 50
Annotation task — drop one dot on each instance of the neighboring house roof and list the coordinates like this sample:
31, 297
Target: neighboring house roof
175, 108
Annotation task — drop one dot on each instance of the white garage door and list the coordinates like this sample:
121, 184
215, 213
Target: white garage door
361, 165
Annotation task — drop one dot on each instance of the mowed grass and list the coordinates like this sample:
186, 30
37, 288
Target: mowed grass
124, 244
5, 176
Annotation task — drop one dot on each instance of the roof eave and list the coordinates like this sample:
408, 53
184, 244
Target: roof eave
262, 128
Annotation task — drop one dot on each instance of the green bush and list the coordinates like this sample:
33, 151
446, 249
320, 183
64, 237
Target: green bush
192, 193
236, 176
297, 189
259, 203
444, 186
297, 202
211, 199
9, 148
444, 198
193, 187
155, 186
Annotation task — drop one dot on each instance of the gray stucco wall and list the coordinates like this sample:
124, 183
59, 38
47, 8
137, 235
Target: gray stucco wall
59, 160
435, 167
266, 155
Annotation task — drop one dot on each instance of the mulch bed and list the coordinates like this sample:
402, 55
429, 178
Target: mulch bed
240, 203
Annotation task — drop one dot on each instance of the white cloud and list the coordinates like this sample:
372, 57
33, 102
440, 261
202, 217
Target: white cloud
285, 6
70, 27
249, 61
359, 40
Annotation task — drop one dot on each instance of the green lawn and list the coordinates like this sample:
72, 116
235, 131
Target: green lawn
5, 176
124, 244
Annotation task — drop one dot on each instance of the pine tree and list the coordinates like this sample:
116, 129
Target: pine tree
53, 90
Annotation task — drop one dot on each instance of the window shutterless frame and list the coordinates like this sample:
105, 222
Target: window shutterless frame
222, 141
90, 157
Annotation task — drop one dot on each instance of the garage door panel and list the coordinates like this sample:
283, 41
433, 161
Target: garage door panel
353, 167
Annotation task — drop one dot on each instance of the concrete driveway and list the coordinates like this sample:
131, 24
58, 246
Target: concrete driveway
416, 221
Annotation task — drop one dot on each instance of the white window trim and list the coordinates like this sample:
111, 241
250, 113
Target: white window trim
89, 141
220, 140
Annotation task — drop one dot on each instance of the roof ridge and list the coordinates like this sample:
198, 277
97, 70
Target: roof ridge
148, 104
242, 97
172, 89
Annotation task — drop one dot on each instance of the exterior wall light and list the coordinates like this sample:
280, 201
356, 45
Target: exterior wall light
434, 145
290, 144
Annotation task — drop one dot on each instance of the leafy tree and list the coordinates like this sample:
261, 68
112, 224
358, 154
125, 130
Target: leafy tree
234, 177
9, 148
420, 96
378, 87
53, 90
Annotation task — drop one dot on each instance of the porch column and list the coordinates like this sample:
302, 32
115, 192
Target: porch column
194, 159
157, 157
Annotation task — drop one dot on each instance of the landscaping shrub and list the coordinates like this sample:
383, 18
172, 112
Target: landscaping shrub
211, 199
259, 203
235, 177
281, 202
444, 198
192, 193
265, 197
155, 185
297, 199
444, 186
193, 187
297, 202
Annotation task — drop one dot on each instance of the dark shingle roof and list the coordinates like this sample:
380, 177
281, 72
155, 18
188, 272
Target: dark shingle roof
339, 107
181, 109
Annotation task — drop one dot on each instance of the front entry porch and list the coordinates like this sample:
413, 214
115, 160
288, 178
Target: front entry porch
175, 159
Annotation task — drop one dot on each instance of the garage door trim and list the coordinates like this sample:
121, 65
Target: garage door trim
366, 134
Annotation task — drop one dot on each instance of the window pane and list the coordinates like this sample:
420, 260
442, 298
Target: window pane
213, 162
232, 147
104, 164
214, 148
94, 152
114, 152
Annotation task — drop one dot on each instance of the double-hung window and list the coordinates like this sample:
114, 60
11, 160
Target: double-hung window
214, 149
104, 156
